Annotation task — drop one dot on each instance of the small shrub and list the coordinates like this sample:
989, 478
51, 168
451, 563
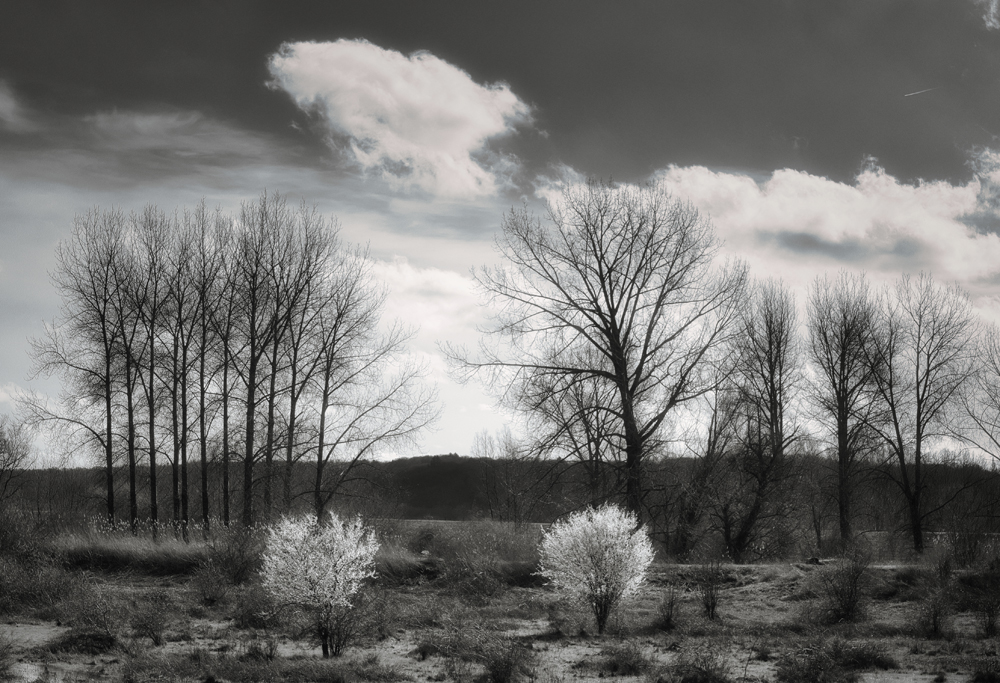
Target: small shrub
20, 537
811, 665
151, 617
210, 584
843, 585
237, 552
598, 557
710, 580
258, 650
986, 670
965, 547
707, 665
981, 594
987, 612
833, 662
860, 656
253, 607
667, 609
84, 642
96, 609
32, 585
565, 621
372, 669
504, 659
318, 569
398, 566
6, 656
936, 611
624, 659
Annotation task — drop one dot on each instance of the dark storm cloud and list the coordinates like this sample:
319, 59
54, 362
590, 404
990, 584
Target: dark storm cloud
620, 89
903, 250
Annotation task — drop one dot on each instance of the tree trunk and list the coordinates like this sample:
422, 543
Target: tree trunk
108, 452
154, 510
185, 512
225, 435
843, 476
133, 504
248, 511
202, 420
269, 450
320, 460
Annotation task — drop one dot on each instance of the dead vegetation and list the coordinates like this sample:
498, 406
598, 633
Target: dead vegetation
460, 603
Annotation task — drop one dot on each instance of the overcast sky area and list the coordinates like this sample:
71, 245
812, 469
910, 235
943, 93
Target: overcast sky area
816, 136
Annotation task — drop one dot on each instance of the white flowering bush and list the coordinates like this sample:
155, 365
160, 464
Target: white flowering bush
318, 569
598, 557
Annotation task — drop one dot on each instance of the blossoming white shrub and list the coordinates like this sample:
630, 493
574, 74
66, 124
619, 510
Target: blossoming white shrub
318, 568
598, 557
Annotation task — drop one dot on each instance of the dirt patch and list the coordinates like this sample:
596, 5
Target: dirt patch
27, 636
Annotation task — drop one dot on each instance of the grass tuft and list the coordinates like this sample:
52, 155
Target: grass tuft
123, 552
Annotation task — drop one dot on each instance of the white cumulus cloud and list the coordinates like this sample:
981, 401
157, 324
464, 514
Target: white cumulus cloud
803, 224
414, 120
795, 225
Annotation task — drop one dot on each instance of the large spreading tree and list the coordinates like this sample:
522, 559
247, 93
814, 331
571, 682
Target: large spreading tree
616, 287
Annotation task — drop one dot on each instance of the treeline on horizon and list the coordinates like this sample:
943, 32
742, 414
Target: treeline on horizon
964, 496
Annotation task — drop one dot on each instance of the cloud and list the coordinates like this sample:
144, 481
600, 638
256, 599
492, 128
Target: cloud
13, 117
417, 121
442, 304
991, 13
801, 223
184, 134
795, 225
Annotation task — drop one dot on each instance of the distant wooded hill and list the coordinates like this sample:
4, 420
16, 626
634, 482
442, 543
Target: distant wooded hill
684, 508
448, 487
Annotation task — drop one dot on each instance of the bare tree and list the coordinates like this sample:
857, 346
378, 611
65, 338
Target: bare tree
369, 396
15, 455
766, 377
261, 224
688, 486
980, 398
840, 319
152, 228
514, 478
223, 319
319, 255
922, 353
575, 427
81, 345
619, 289
130, 347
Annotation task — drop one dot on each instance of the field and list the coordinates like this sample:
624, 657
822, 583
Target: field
460, 602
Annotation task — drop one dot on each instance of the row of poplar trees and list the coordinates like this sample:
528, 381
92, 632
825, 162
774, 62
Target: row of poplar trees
254, 341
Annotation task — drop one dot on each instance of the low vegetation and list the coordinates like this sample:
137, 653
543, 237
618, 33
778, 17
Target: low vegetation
457, 602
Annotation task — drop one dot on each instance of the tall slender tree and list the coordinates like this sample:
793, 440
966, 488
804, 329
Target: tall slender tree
922, 353
840, 323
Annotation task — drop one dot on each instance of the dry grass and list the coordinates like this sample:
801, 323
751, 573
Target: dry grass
121, 552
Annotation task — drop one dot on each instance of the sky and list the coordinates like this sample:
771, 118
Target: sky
815, 136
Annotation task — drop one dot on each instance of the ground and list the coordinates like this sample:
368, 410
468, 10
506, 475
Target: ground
431, 629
